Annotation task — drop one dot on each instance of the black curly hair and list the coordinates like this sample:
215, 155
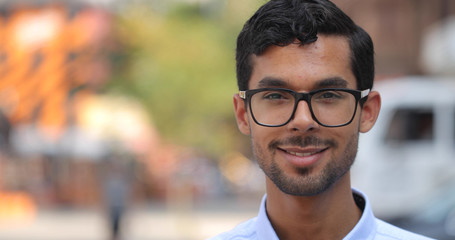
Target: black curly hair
280, 22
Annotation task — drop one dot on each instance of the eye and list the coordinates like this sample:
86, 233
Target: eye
329, 95
276, 95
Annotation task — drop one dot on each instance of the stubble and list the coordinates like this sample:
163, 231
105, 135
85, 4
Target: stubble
307, 182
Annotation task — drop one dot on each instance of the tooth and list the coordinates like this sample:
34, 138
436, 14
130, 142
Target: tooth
301, 154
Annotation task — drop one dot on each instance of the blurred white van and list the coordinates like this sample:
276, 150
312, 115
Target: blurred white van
406, 163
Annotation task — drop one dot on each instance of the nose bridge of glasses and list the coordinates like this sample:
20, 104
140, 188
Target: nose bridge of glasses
302, 97
299, 106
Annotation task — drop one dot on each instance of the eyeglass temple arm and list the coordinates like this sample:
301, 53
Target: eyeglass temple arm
364, 93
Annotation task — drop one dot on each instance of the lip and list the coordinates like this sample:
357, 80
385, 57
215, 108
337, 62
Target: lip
302, 157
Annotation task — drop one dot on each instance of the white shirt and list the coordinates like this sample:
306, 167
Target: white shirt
368, 227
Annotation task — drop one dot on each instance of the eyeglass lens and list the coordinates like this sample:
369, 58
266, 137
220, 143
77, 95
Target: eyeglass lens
276, 107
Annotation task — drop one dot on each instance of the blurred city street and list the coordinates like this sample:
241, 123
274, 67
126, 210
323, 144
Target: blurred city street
113, 105
153, 222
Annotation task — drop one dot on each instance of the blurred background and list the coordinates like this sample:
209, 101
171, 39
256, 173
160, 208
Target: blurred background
116, 118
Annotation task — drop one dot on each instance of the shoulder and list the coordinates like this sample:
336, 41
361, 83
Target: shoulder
243, 231
386, 231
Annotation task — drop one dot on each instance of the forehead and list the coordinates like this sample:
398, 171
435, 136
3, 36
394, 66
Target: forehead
324, 63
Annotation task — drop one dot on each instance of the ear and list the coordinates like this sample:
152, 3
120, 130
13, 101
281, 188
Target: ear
370, 111
241, 115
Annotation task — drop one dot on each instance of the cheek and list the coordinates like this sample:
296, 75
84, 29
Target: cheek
343, 135
262, 136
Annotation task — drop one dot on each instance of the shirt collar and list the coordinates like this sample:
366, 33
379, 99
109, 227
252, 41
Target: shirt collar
263, 226
366, 226
364, 229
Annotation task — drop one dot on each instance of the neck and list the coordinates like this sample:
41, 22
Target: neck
329, 215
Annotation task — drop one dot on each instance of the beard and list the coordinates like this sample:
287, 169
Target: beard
307, 183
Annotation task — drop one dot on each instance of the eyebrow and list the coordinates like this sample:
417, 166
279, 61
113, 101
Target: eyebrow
331, 82
271, 82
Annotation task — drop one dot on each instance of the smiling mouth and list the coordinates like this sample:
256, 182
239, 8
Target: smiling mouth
304, 154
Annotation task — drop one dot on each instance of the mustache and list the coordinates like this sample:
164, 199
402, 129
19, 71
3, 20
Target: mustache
302, 142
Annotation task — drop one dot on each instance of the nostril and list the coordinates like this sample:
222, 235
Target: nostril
309, 129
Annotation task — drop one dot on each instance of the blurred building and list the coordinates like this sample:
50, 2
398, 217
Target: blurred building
54, 61
51, 55
398, 29
58, 128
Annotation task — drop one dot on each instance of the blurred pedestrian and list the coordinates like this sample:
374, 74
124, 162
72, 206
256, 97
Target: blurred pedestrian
305, 73
5, 129
116, 194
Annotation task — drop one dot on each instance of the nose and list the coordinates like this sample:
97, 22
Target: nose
302, 120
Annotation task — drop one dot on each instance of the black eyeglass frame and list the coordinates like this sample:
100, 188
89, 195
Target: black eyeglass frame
302, 96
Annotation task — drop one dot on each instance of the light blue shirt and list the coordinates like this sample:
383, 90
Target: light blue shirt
368, 227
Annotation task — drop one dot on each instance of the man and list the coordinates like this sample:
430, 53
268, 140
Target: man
305, 73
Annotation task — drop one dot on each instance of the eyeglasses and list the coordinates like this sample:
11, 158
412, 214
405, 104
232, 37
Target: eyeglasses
329, 107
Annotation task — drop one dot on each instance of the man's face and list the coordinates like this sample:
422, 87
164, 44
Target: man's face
303, 158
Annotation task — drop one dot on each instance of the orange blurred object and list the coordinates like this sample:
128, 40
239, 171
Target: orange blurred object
48, 56
16, 207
